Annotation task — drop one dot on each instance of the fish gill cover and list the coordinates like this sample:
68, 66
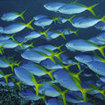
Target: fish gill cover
52, 52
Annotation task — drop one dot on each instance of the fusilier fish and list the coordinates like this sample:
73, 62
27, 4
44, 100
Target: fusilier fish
11, 16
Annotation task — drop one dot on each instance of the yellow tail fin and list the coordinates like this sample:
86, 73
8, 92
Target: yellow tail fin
43, 97
44, 32
101, 49
97, 88
12, 36
56, 19
21, 14
102, 19
64, 96
18, 63
70, 19
21, 44
5, 76
52, 59
19, 84
31, 44
45, 71
1, 49
58, 55
37, 85
28, 25
78, 65
63, 93
1, 52
67, 66
12, 66
83, 90
59, 47
98, 57
75, 32
91, 8
37, 88
50, 74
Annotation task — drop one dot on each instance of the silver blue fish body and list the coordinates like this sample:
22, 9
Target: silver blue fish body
93, 92
96, 40
83, 103
54, 35
64, 79
1, 76
40, 16
62, 20
31, 67
25, 47
100, 25
84, 58
10, 83
82, 22
100, 83
99, 96
43, 22
42, 47
47, 90
32, 35
101, 37
65, 59
53, 6
34, 56
102, 79
67, 31
53, 101
8, 44
1, 29
48, 64
71, 9
3, 64
23, 76
29, 95
49, 33
80, 45
13, 28
70, 97
97, 67
11, 16
4, 37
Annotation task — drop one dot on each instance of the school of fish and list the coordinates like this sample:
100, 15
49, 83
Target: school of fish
55, 76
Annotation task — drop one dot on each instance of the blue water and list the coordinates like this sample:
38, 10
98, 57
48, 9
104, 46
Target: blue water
35, 7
